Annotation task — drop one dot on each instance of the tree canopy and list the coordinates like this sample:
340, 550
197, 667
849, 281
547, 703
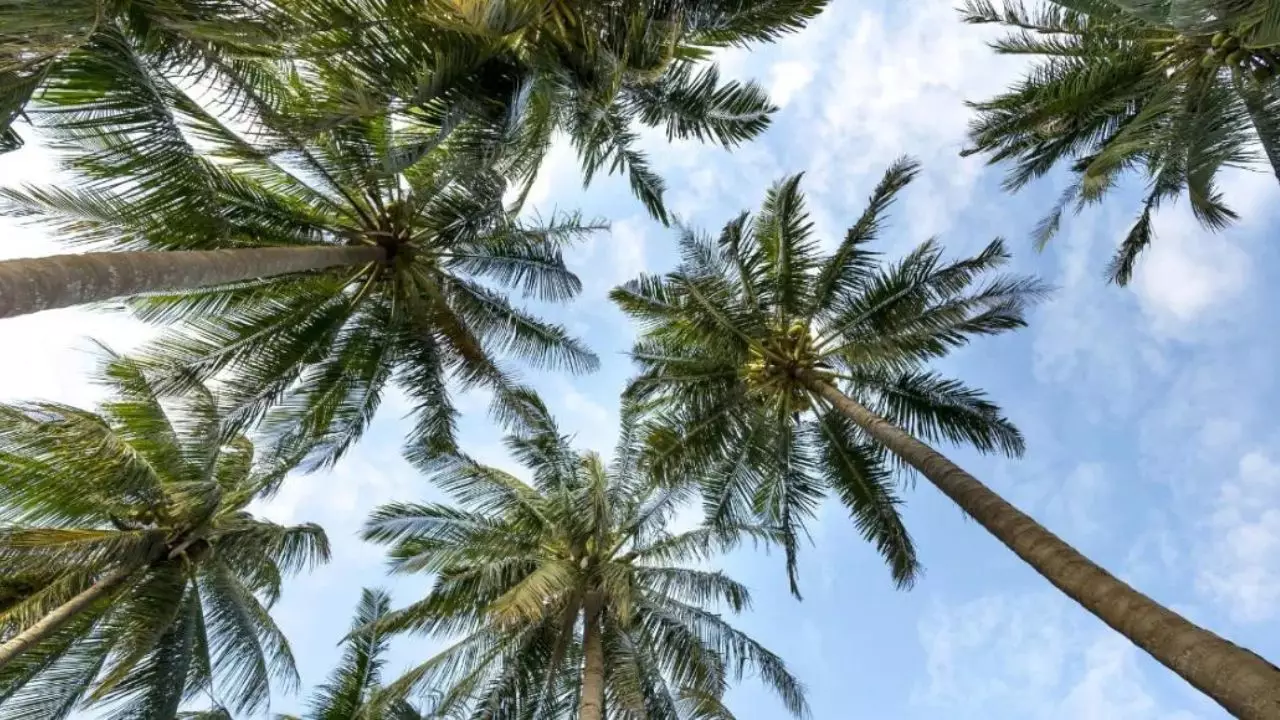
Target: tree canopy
725, 334
521, 565
154, 169
1133, 86
152, 487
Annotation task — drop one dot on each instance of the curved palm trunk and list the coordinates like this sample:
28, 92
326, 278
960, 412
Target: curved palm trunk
592, 703
63, 614
34, 284
1242, 682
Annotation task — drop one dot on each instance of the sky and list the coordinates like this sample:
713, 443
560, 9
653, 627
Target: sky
1151, 445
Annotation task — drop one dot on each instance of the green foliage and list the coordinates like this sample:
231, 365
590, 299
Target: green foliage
591, 70
1256, 21
1176, 91
353, 686
517, 565
154, 485
735, 338
524, 70
45, 44
312, 353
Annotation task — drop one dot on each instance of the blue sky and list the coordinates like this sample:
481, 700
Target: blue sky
1151, 447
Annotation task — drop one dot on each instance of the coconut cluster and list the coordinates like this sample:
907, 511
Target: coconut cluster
1226, 50
774, 366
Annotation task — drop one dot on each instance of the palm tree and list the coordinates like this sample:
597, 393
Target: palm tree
153, 579
44, 44
325, 277
352, 690
591, 70
1129, 86
779, 373
353, 685
569, 590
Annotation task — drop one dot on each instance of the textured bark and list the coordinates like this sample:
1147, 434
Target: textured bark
34, 284
63, 614
592, 704
1244, 683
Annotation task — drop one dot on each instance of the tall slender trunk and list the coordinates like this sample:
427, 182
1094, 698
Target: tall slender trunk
34, 284
64, 613
1242, 682
592, 703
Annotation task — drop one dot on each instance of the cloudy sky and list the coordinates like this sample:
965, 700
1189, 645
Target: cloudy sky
1151, 444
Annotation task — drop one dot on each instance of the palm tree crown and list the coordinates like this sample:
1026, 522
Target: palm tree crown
45, 44
149, 491
731, 335
427, 305
520, 564
591, 70
1125, 86
352, 689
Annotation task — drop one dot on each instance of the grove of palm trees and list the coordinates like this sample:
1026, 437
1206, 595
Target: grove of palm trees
629, 359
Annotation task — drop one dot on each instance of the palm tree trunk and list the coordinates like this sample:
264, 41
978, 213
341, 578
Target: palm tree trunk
1242, 682
592, 703
34, 284
63, 614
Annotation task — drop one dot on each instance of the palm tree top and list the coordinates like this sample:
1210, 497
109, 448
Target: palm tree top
589, 70
154, 169
1177, 91
223, 43
733, 338
151, 482
518, 562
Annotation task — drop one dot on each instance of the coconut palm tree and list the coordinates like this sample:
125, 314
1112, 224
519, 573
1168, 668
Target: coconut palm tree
570, 590
1124, 86
1133, 85
354, 684
591, 70
152, 579
779, 374
351, 692
43, 44
302, 268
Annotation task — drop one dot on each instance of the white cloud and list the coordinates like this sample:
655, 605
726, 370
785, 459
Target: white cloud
627, 249
49, 355
1239, 566
788, 78
1190, 274
877, 99
1153, 555
1111, 686
1072, 499
1090, 335
1187, 273
1032, 656
593, 425
1075, 502
559, 166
